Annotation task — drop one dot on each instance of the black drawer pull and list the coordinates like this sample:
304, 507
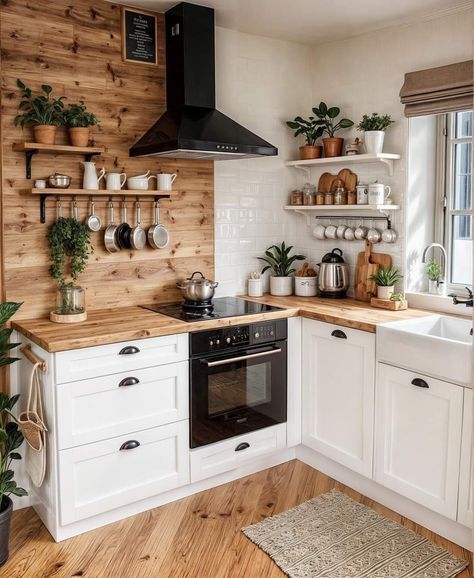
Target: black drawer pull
420, 382
242, 446
339, 333
129, 381
129, 350
130, 445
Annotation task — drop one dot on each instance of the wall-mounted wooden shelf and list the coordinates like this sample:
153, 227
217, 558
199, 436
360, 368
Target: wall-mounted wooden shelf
30, 149
381, 158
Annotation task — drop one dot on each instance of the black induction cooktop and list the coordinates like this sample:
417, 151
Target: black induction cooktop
217, 309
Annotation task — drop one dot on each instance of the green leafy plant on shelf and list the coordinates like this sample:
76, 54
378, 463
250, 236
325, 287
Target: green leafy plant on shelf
311, 128
374, 122
386, 277
39, 109
76, 115
433, 270
327, 119
279, 260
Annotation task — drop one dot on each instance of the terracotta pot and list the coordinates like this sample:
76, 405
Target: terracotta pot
5, 518
308, 152
79, 136
333, 147
44, 133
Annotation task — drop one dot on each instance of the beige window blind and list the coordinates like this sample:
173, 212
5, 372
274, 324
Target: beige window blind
438, 90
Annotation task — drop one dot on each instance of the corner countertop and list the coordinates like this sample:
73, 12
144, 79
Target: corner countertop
130, 323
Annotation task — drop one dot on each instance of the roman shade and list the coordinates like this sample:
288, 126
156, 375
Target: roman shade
438, 90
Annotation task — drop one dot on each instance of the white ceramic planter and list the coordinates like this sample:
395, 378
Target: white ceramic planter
435, 288
306, 286
384, 292
373, 140
255, 287
281, 286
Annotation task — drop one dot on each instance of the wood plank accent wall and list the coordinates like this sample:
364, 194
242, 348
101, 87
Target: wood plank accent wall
75, 47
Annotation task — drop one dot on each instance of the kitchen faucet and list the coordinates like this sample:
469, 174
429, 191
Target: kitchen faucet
445, 258
467, 302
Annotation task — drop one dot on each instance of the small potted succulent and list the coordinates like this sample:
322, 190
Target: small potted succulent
435, 282
11, 437
279, 260
78, 120
70, 247
312, 130
327, 120
385, 279
42, 112
374, 128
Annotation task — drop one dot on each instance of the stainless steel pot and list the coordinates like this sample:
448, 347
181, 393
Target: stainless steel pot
197, 289
333, 275
58, 181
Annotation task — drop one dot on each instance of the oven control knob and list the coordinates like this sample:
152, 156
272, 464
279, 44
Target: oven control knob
218, 342
211, 343
256, 335
228, 340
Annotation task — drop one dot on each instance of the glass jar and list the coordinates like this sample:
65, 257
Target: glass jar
320, 198
70, 301
296, 198
309, 194
329, 198
351, 198
340, 196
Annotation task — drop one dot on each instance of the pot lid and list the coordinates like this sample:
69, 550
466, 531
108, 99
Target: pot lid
335, 256
199, 281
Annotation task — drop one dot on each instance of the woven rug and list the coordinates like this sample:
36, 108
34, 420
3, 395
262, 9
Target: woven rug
333, 536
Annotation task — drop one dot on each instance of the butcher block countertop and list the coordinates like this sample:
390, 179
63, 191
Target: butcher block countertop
131, 323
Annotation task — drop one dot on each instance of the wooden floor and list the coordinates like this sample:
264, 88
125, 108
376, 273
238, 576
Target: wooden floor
197, 537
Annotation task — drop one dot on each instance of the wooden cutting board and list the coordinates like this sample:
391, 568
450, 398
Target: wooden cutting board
325, 182
367, 264
349, 178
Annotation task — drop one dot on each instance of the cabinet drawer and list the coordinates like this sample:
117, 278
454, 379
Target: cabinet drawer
95, 409
117, 357
98, 477
224, 456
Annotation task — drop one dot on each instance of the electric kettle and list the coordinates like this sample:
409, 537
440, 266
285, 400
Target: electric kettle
333, 275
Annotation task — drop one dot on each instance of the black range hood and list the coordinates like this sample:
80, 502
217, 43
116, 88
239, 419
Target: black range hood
192, 127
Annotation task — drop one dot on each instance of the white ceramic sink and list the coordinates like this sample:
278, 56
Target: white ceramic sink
439, 345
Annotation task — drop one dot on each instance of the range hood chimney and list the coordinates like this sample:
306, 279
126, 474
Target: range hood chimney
192, 127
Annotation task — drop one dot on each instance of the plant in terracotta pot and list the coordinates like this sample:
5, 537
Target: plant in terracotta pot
312, 130
374, 128
385, 279
11, 437
43, 112
279, 260
327, 118
70, 247
78, 120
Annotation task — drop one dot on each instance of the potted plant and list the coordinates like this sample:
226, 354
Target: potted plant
312, 130
374, 128
433, 271
78, 120
327, 120
42, 112
11, 437
70, 247
385, 279
278, 259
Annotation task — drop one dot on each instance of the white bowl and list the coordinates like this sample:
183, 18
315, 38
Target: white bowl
137, 183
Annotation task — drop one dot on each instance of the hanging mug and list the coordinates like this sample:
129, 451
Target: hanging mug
165, 181
115, 181
377, 194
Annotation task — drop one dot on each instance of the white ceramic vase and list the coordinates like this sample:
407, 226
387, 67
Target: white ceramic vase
255, 287
436, 288
373, 140
281, 286
384, 292
306, 286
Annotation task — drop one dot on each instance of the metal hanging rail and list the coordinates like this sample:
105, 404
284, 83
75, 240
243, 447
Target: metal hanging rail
385, 218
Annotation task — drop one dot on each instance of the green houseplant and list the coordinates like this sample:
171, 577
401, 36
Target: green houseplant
41, 111
70, 247
327, 120
312, 130
78, 120
374, 128
11, 437
278, 259
433, 271
385, 279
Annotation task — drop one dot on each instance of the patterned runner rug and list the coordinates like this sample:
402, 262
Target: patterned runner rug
332, 536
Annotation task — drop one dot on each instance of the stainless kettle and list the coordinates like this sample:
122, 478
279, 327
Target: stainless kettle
333, 275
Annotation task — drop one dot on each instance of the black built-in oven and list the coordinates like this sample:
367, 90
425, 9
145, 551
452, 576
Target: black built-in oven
238, 380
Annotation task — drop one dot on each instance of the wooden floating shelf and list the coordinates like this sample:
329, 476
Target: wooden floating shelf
101, 193
384, 158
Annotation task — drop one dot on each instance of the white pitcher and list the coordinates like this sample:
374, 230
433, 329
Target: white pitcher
115, 181
91, 179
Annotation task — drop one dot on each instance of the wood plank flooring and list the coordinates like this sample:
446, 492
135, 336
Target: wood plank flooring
197, 537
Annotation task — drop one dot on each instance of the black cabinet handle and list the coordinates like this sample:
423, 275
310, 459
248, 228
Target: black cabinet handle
129, 350
339, 333
242, 446
130, 445
129, 381
419, 382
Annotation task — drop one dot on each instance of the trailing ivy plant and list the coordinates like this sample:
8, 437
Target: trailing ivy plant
280, 260
39, 109
70, 247
375, 122
77, 116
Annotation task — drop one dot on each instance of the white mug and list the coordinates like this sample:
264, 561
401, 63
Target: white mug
115, 181
377, 194
165, 181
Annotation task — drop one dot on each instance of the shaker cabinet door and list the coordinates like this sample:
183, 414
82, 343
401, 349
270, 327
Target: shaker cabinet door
465, 473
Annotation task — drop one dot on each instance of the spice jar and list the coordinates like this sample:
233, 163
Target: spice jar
309, 194
320, 198
340, 195
351, 198
329, 198
296, 198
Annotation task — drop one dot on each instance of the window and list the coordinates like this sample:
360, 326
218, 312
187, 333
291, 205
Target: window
456, 218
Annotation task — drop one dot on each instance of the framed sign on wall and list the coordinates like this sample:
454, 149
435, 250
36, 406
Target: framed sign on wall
139, 36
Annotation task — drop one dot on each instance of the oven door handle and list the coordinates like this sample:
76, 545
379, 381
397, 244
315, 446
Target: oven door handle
239, 358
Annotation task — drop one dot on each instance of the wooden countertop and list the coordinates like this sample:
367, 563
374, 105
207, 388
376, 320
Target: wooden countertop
130, 323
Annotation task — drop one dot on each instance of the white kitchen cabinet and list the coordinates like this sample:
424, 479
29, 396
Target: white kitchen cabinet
338, 393
418, 437
98, 477
465, 512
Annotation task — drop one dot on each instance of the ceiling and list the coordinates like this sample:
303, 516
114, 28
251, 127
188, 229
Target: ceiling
315, 21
